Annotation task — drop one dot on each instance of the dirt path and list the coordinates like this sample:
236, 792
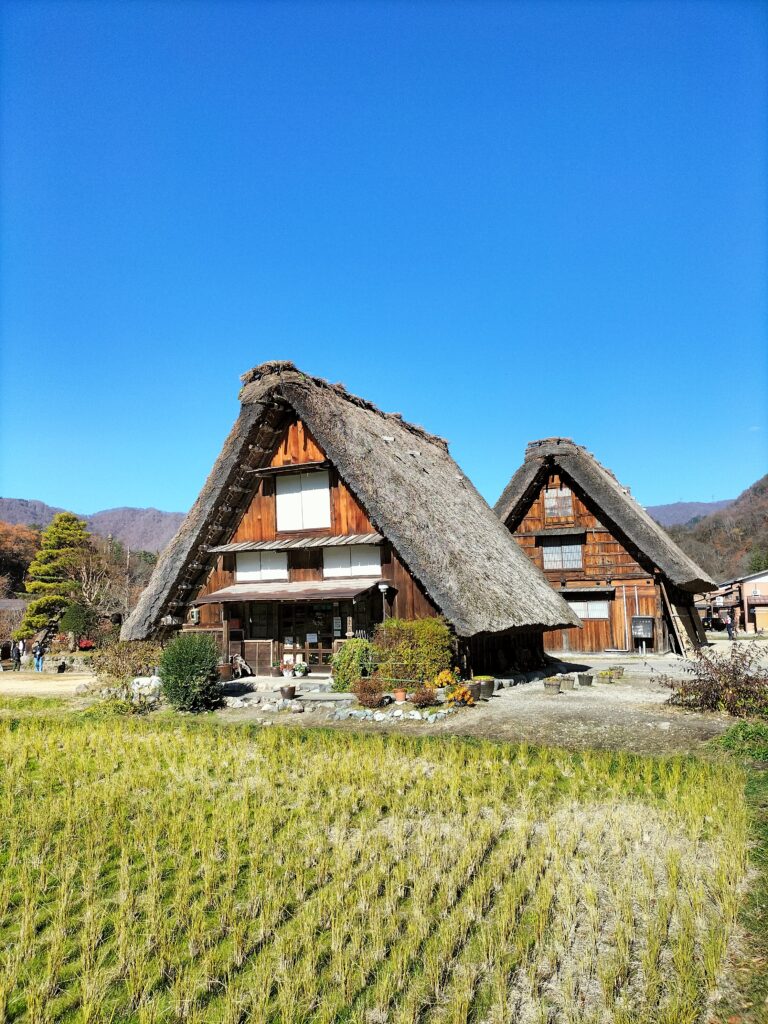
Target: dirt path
41, 684
631, 715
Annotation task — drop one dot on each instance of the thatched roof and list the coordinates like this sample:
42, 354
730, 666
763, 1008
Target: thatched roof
611, 501
410, 487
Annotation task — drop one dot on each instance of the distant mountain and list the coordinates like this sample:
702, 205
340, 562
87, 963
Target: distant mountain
141, 529
681, 512
732, 541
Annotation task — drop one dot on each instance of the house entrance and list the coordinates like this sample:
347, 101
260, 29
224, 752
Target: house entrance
307, 630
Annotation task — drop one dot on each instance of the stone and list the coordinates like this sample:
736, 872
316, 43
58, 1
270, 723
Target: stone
415, 715
379, 716
664, 725
146, 686
397, 713
82, 688
342, 715
234, 702
297, 708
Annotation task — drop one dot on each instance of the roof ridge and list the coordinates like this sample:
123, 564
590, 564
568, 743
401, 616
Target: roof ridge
278, 367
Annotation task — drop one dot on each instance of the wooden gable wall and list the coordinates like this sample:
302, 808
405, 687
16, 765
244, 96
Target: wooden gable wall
298, 447
606, 562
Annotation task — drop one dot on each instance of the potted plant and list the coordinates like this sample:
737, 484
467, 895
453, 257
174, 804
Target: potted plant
584, 678
287, 671
225, 670
288, 692
400, 694
552, 684
605, 676
618, 671
566, 682
474, 690
487, 686
301, 669
276, 670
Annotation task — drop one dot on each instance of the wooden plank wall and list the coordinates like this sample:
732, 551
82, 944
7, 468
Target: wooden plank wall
347, 517
606, 561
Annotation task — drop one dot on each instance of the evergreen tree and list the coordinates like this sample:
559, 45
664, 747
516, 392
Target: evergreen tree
53, 572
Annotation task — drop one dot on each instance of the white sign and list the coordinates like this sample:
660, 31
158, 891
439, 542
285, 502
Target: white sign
311, 638
336, 623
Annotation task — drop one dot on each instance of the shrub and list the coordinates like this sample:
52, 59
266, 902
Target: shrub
413, 651
736, 684
368, 691
446, 678
189, 672
353, 661
424, 697
460, 696
78, 619
117, 663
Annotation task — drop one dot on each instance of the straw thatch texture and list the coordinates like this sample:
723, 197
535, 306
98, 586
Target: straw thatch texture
412, 490
611, 502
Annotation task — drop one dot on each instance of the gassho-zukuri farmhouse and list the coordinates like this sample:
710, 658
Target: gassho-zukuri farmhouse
321, 517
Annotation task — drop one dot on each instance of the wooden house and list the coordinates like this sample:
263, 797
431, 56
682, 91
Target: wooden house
324, 515
623, 575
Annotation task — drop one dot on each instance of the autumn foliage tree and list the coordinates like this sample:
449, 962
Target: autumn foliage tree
18, 545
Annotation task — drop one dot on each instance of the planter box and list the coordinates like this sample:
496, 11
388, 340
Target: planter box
566, 683
584, 678
552, 685
487, 688
474, 689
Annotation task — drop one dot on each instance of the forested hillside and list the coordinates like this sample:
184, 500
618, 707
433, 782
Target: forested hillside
732, 541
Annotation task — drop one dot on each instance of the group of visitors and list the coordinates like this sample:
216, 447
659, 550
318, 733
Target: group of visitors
19, 649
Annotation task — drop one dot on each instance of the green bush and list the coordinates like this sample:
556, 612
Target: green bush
78, 619
353, 661
189, 672
413, 651
747, 739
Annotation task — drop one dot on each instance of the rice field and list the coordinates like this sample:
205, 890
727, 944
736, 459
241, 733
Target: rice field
186, 872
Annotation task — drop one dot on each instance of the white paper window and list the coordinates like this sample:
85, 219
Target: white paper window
558, 501
304, 501
352, 560
562, 556
590, 609
258, 566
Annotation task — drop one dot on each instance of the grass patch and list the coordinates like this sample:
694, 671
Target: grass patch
35, 704
749, 742
170, 870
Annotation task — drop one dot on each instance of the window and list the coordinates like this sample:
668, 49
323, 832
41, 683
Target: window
590, 609
352, 560
304, 501
260, 566
562, 556
558, 501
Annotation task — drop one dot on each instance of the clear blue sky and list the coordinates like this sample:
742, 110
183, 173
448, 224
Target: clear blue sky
505, 221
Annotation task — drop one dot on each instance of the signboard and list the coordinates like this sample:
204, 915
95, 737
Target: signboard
337, 625
311, 638
642, 627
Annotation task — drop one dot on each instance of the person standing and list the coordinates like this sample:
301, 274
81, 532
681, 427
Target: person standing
729, 626
16, 657
37, 651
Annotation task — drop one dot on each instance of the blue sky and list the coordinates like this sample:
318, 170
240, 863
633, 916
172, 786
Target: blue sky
506, 221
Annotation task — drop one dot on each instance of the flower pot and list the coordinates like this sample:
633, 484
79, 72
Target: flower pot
566, 683
552, 685
487, 688
288, 692
287, 673
617, 672
474, 691
225, 673
585, 678
399, 695
277, 672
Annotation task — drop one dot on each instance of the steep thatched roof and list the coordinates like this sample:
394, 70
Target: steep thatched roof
412, 490
612, 502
